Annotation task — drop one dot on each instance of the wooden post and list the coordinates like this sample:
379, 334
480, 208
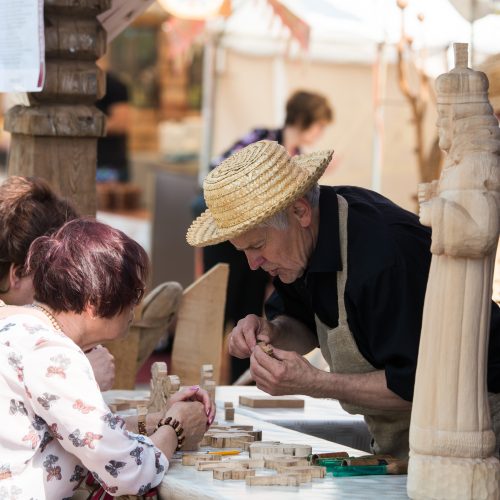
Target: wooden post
452, 444
56, 136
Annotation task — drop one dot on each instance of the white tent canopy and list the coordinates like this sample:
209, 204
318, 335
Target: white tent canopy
351, 31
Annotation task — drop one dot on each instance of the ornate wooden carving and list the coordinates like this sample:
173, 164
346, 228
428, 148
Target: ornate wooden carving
451, 439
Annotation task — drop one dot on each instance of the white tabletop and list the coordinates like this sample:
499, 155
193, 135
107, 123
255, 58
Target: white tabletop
184, 482
323, 418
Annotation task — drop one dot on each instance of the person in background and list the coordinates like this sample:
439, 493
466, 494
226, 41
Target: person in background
307, 115
29, 209
112, 157
87, 279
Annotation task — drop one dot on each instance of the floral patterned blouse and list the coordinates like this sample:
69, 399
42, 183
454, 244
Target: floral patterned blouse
55, 423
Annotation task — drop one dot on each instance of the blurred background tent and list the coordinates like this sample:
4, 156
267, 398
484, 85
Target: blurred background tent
196, 85
350, 57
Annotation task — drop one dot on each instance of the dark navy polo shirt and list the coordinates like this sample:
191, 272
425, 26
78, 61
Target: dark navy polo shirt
388, 264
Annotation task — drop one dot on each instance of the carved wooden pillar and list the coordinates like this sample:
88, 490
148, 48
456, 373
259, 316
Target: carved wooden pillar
452, 445
56, 136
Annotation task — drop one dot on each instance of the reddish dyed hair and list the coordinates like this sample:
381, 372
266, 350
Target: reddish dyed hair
88, 263
28, 209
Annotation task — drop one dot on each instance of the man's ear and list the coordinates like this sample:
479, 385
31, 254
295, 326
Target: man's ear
302, 211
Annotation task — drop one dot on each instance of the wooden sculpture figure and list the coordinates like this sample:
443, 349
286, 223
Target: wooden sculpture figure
452, 445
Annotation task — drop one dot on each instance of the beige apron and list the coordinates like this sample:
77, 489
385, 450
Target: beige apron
389, 429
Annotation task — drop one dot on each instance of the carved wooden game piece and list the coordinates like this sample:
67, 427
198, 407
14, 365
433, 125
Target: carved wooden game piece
160, 386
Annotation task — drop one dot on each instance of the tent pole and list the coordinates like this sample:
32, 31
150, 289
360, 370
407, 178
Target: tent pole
379, 79
208, 105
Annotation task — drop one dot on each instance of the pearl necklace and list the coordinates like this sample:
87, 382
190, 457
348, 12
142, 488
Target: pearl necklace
55, 324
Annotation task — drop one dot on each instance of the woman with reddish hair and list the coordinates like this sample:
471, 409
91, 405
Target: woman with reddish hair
56, 426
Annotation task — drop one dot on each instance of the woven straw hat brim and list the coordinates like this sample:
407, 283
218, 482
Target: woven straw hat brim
308, 169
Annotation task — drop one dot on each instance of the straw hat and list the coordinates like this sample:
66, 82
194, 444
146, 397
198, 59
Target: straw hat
250, 186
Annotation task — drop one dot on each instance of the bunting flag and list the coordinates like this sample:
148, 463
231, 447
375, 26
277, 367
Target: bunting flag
299, 29
181, 33
120, 15
226, 9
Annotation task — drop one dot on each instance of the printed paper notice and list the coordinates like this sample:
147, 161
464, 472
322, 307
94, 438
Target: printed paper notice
22, 46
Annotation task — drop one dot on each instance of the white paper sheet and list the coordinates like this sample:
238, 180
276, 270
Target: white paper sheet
22, 46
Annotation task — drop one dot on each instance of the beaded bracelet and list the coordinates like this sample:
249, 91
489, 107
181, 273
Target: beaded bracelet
142, 413
179, 431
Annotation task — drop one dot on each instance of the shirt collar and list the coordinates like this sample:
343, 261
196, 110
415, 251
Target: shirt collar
326, 255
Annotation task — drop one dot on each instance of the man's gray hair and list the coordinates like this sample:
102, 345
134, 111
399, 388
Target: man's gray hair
280, 220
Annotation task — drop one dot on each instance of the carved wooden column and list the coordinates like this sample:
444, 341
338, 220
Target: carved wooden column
451, 439
56, 136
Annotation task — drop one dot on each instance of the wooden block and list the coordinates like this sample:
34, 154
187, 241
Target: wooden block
228, 413
302, 475
206, 373
257, 435
132, 402
224, 474
209, 386
273, 480
174, 384
280, 462
248, 463
230, 440
228, 404
210, 466
114, 407
271, 402
192, 458
267, 349
236, 427
315, 471
263, 449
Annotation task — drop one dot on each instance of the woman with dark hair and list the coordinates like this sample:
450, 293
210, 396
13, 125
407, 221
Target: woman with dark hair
56, 426
29, 208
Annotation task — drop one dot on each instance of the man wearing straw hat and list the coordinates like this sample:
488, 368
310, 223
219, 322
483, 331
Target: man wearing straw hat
350, 272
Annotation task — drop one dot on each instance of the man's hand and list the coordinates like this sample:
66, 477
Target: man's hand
103, 365
286, 373
247, 332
